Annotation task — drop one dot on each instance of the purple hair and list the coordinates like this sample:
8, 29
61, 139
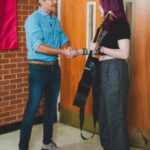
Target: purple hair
116, 6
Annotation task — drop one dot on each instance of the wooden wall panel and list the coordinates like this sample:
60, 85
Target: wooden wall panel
139, 99
74, 23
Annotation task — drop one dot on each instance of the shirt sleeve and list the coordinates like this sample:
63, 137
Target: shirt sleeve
34, 32
123, 31
63, 36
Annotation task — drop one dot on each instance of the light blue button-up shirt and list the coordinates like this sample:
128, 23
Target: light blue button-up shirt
43, 28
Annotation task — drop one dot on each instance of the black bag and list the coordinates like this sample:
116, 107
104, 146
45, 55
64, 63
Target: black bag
86, 81
91, 76
83, 90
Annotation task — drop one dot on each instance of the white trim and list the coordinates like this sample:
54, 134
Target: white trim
59, 9
59, 17
87, 21
131, 56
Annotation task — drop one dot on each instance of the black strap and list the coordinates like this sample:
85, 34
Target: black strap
82, 124
83, 90
88, 78
85, 82
95, 92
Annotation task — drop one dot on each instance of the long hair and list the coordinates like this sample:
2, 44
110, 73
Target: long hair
116, 6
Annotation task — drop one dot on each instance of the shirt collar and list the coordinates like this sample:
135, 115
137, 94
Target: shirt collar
42, 12
50, 18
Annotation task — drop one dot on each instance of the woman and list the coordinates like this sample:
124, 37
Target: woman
114, 79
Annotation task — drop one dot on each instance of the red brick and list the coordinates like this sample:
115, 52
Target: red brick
8, 66
16, 80
20, 85
22, 2
4, 71
22, 45
5, 114
19, 29
22, 64
10, 97
12, 76
4, 93
21, 33
1, 66
19, 18
21, 22
25, 99
4, 104
1, 99
1, 55
16, 91
1, 121
26, 69
24, 17
9, 55
19, 6
4, 61
28, 7
16, 60
21, 54
22, 75
9, 108
18, 101
1, 110
22, 95
25, 79
20, 116
8, 119
16, 70
4, 82
9, 87
15, 112
25, 90
19, 106
1, 88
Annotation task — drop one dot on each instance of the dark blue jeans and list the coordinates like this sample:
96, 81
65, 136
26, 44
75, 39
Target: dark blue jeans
44, 80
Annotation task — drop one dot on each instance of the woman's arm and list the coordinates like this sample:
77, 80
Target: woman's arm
122, 52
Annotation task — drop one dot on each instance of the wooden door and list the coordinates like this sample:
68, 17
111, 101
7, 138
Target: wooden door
139, 97
74, 23
73, 18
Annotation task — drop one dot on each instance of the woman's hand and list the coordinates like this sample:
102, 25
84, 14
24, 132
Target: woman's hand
92, 47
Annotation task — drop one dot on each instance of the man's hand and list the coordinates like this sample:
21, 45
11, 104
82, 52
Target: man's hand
69, 52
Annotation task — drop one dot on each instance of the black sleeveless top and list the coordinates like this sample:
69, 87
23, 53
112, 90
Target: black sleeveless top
119, 30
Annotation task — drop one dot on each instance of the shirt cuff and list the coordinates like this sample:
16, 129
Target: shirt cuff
64, 41
37, 44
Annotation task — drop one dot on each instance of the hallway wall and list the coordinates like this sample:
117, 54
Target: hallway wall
139, 100
14, 71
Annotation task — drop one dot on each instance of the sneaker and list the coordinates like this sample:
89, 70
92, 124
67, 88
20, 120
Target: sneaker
51, 146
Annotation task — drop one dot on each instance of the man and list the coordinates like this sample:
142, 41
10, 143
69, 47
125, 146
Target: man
44, 39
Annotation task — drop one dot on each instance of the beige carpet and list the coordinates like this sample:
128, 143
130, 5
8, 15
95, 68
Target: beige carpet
86, 145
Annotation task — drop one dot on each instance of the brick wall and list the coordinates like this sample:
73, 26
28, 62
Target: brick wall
14, 72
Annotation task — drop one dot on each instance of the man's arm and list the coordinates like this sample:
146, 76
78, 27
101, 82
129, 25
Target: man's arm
64, 50
66, 45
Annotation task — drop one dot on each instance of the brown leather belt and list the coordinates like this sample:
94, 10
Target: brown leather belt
43, 62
